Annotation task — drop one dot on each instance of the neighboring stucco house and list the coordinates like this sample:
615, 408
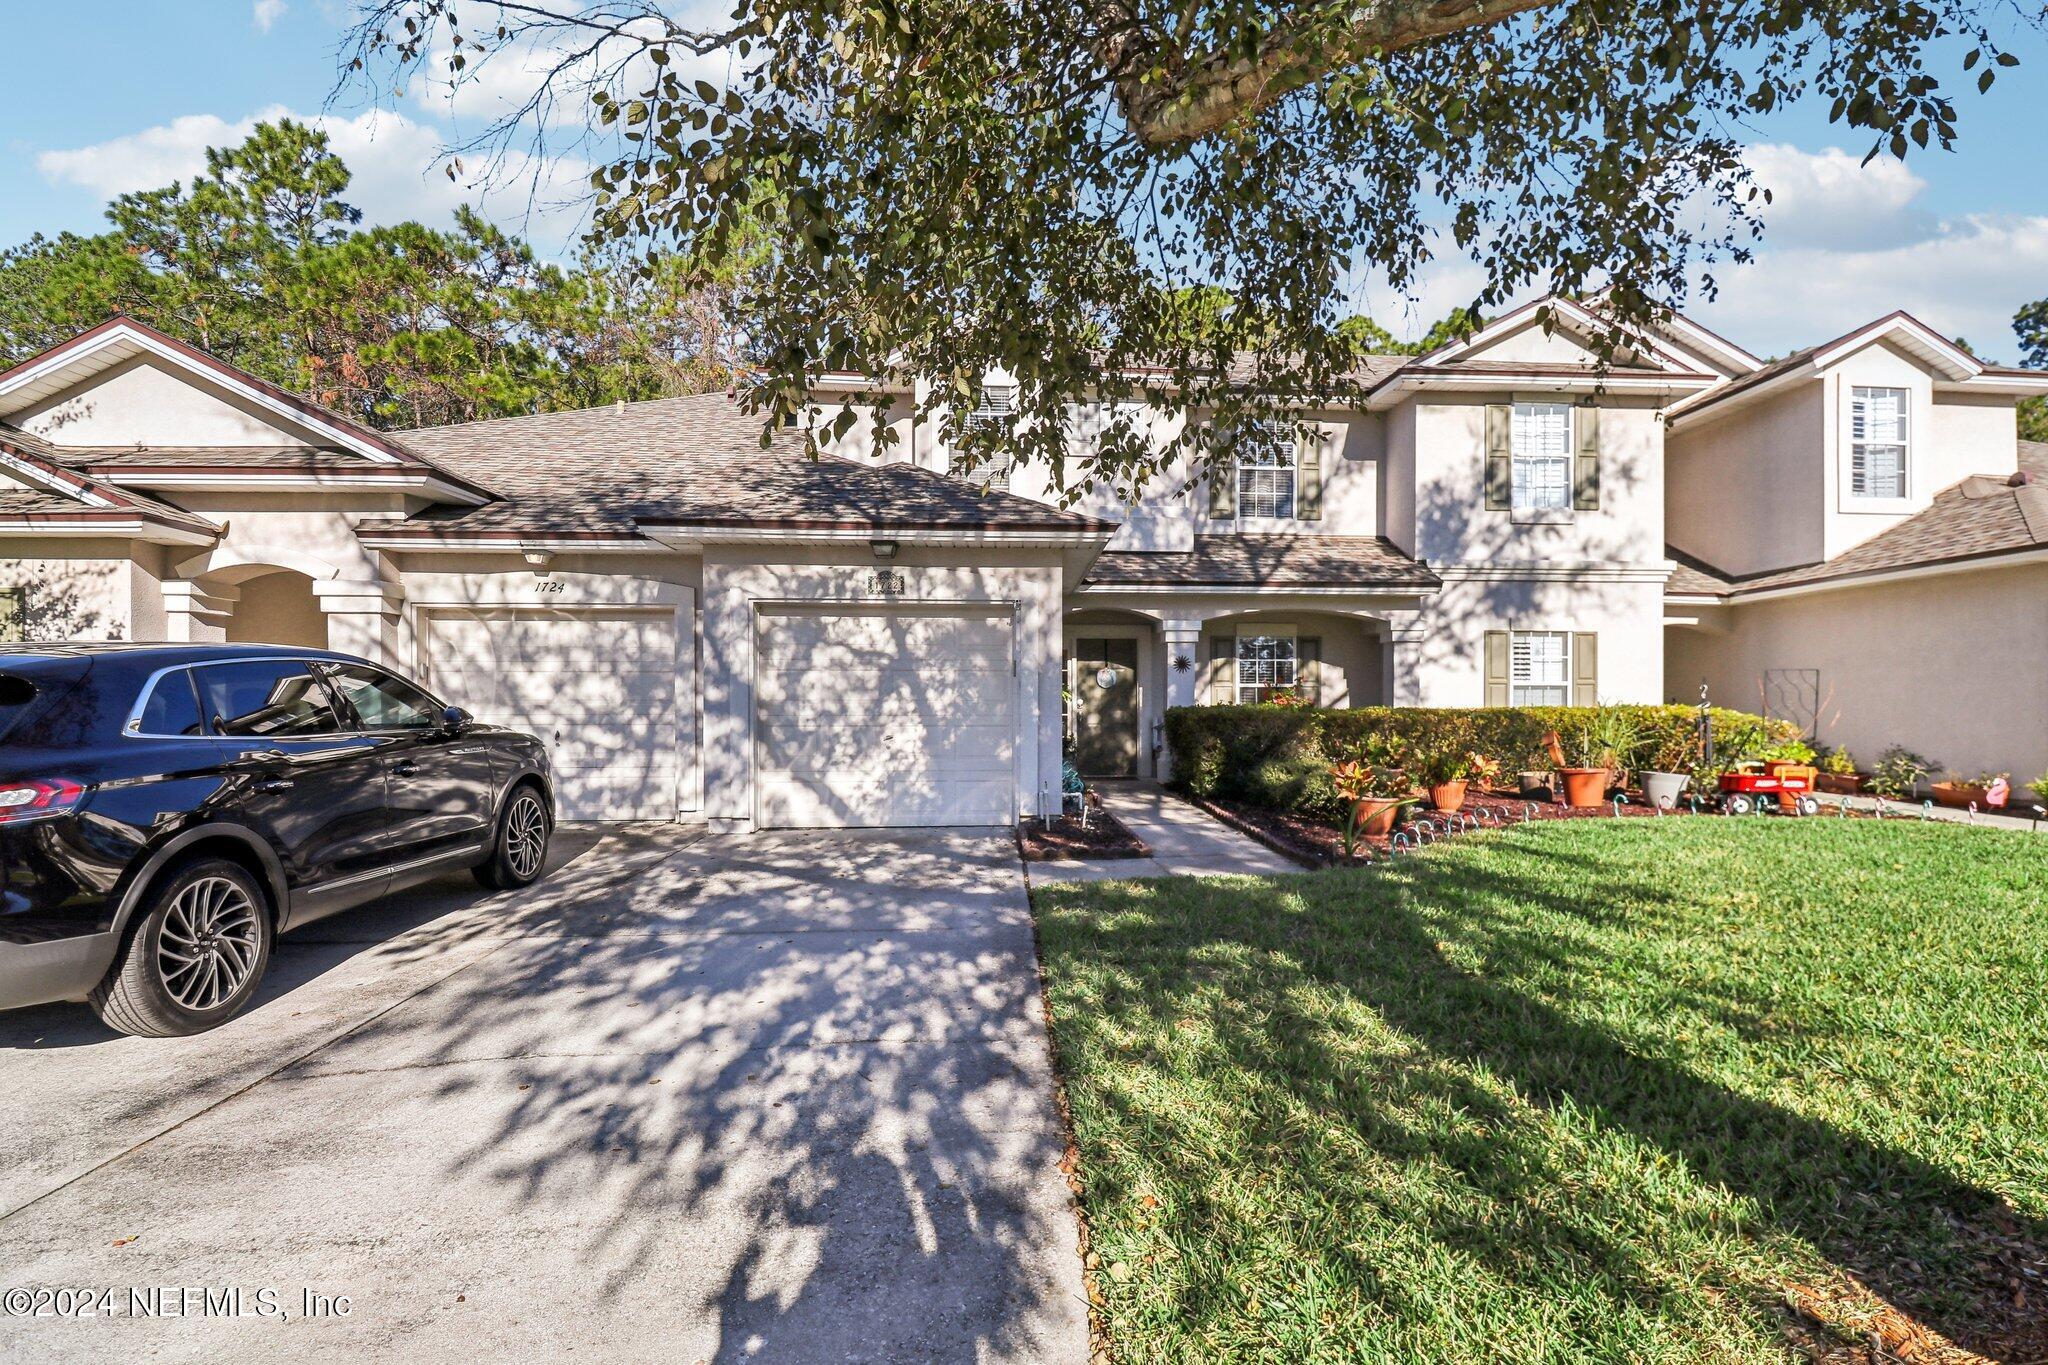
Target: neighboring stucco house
705, 629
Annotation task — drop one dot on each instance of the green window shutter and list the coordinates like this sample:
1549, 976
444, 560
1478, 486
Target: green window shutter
1586, 468
10, 615
1496, 668
1308, 668
1585, 669
1222, 670
1308, 478
1500, 458
1222, 488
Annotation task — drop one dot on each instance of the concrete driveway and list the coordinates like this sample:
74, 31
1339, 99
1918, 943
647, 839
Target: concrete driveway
689, 1098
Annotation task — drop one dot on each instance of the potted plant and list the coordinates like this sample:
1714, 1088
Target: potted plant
1665, 780
1898, 773
1442, 770
1595, 753
1373, 786
1538, 781
1838, 773
1960, 792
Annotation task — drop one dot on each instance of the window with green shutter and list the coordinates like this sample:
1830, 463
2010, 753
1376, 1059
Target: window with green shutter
10, 615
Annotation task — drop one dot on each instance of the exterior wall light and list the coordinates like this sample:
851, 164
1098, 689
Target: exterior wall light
884, 549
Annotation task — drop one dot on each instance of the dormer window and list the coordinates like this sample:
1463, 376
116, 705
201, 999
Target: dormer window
1877, 443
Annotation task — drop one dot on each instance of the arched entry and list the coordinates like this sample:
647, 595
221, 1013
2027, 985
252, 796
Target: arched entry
277, 608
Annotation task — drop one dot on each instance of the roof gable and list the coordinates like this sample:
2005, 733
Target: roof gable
1554, 330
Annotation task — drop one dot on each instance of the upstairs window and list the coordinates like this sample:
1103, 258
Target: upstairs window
1541, 439
1266, 473
1540, 668
1877, 442
990, 416
995, 407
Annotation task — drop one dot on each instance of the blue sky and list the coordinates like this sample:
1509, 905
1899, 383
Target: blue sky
125, 94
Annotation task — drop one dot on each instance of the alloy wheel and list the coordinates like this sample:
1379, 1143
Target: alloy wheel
526, 837
207, 947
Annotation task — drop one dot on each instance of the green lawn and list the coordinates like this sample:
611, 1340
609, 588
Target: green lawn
1582, 1090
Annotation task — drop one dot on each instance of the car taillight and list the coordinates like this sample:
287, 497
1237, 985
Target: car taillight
35, 799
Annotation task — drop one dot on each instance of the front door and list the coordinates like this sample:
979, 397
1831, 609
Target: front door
1106, 707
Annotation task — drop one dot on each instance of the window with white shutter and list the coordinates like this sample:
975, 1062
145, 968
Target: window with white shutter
1877, 442
1541, 438
1540, 668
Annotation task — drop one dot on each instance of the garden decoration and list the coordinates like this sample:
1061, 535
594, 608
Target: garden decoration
1927, 810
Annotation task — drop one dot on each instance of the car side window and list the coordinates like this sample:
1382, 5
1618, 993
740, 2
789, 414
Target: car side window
384, 702
172, 708
270, 699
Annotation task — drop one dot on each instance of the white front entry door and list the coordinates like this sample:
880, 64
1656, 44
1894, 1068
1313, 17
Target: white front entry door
888, 717
598, 687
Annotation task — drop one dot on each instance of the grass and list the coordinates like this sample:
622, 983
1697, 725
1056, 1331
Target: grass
1678, 1090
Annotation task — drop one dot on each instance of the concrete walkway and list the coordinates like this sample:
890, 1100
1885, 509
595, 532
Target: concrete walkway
1186, 842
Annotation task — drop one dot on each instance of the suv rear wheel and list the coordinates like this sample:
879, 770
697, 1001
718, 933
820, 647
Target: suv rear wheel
198, 951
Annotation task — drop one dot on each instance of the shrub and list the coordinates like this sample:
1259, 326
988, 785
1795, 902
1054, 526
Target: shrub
1899, 772
1256, 754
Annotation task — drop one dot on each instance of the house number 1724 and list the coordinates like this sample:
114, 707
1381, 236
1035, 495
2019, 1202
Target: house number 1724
548, 585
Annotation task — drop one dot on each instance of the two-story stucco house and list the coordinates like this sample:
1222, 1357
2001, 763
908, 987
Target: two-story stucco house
705, 629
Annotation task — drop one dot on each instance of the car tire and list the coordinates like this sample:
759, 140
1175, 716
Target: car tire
200, 946
519, 850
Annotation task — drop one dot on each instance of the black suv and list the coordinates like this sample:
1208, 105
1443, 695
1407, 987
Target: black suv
167, 810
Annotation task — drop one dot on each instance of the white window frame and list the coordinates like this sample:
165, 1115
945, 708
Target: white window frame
1278, 461
1857, 447
1556, 505
1521, 679
1246, 693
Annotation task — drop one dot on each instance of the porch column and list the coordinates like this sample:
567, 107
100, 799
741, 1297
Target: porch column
362, 618
1183, 674
1401, 652
194, 615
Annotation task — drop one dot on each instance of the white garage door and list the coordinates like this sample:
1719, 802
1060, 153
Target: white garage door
884, 718
598, 687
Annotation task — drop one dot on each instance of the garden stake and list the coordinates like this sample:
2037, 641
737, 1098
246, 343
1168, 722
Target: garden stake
1973, 812
1617, 808
1926, 810
1397, 844
1528, 811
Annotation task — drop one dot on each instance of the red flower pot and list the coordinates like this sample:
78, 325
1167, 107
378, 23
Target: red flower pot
1584, 787
1446, 797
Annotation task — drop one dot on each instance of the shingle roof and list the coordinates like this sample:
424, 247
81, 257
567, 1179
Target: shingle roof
279, 457
1693, 577
1267, 561
1981, 517
694, 461
72, 492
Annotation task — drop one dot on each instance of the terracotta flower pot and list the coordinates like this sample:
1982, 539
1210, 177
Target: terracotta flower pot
1376, 814
1841, 784
1584, 787
1446, 797
1960, 794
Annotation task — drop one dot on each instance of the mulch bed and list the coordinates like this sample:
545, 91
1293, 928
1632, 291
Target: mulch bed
1063, 839
1316, 844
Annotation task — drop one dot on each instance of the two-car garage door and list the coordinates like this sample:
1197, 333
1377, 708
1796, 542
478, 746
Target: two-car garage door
598, 687
886, 717
893, 716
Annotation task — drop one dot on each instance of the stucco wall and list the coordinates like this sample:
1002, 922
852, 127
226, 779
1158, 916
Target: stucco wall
1453, 526
1949, 665
736, 578
278, 609
79, 589
1744, 491
1627, 614
141, 402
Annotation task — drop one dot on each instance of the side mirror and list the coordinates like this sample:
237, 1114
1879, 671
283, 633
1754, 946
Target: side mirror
455, 718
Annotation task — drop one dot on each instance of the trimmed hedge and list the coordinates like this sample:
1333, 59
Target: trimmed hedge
1278, 756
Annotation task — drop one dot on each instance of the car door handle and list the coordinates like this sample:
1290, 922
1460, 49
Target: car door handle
276, 784
406, 769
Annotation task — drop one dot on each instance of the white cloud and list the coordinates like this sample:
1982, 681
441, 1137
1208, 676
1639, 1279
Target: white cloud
1830, 198
396, 162
266, 13
1966, 279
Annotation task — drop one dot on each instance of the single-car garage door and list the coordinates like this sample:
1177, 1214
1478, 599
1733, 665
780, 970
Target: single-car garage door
598, 687
886, 717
